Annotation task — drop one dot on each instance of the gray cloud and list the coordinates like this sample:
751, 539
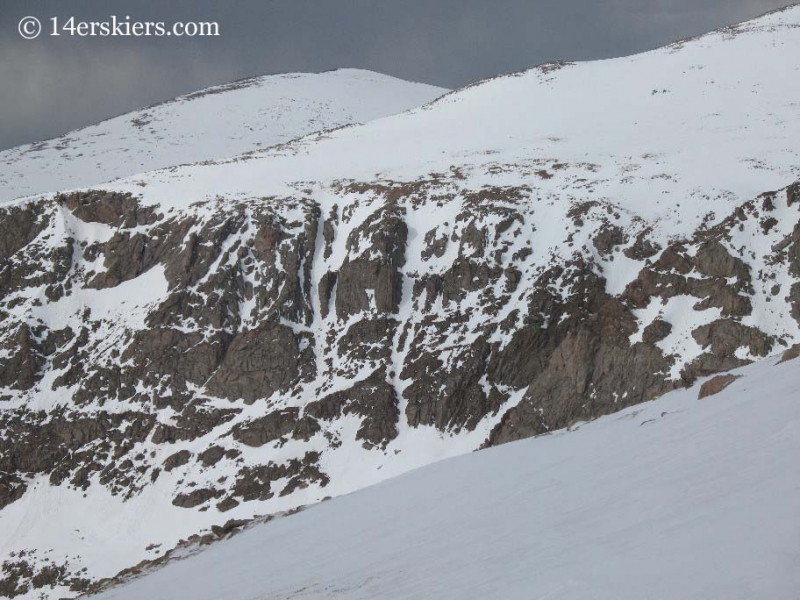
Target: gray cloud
51, 85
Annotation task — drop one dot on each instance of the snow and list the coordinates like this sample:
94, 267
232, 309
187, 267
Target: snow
735, 94
611, 506
680, 313
51, 515
126, 305
210, 124
677, 498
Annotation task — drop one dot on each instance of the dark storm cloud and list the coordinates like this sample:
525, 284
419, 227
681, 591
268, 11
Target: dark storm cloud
51, 85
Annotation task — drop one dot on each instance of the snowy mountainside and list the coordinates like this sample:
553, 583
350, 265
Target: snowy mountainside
206, 125
641, 138
207, 343
675, 498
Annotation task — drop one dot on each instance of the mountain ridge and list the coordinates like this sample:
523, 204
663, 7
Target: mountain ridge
235, 117
215, 341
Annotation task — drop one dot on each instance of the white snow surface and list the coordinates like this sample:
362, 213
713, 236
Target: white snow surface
210, 124
678, 498
669, 135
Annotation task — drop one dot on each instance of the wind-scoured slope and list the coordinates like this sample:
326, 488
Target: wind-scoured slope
224, 340
678, 498
210, 124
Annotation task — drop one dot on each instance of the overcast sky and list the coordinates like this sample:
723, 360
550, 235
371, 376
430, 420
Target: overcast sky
51, 85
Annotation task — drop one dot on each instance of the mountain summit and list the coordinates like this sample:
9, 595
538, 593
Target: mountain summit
210, 124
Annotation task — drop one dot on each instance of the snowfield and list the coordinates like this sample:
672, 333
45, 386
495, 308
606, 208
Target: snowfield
210, 124
678, 498
668, 135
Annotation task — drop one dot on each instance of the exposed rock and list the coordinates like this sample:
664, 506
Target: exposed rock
177, 460
211, 456
656, 331
195, 420
327, 284
12, 488
793, 194
453, 400
642, 248
20, 576
229, 527
108, 208
791, 354
581, 367
257, 364
723, 337
255, 483
68, 446
371, 280
22, 369
608, 238
311, 319
196, 497
716, 385
435, 245
669, 276
227, 504
19, 226
373, 399
269, 428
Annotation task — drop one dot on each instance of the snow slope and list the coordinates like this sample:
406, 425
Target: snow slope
209, 124
701, 123
678, 498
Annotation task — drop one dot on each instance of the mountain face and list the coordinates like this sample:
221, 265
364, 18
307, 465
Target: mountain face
657, 500
193, 347
210, 124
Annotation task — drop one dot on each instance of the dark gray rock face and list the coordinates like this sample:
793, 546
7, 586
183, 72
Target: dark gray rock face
70, 447
585, 367
238, 318
373, 399
196, 498
231, 348
255, 483
176, 460
656, 331
25, 360
118, 210
258, 363
267, 429
378, 250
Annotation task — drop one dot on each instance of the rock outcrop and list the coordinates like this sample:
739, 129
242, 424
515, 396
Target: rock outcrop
715, 385
229, 351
